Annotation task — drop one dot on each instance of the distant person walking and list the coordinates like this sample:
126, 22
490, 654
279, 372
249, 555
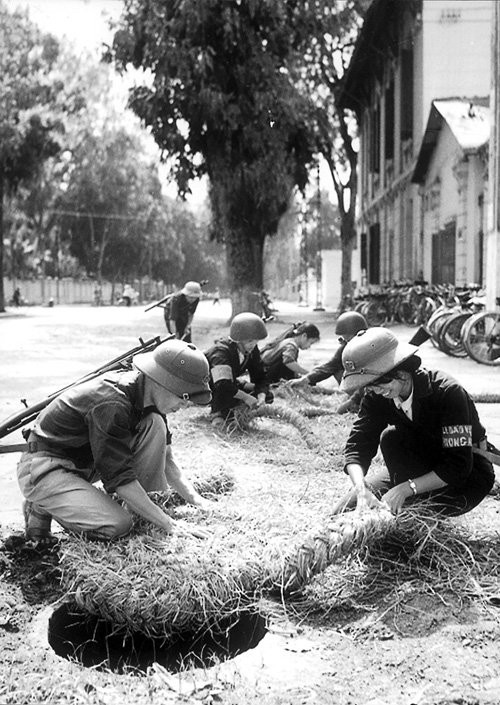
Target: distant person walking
180, 309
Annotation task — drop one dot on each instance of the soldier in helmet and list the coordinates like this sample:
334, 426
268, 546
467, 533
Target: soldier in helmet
232, 357
180, 309
425, 423
114, 429
348, 324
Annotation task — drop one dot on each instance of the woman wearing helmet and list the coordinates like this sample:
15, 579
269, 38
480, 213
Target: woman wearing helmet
425, 423
232, 357
347, 326
280, 357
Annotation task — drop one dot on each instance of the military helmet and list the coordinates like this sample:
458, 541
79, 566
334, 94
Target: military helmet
191, 289
180, 368
349, 323
247, 326
370, 355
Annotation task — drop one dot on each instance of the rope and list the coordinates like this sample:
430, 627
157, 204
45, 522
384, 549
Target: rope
242, 417
312, 557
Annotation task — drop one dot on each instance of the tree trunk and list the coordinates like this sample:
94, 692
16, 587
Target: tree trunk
245, 269
347, 238
2, 290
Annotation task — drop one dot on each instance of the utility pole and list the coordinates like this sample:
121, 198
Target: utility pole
493, 240
319, 244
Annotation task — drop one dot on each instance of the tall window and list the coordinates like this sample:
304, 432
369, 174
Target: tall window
375, 140
406, 94
389, 121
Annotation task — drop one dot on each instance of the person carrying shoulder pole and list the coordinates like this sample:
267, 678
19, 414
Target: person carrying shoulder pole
112, 428
180, 309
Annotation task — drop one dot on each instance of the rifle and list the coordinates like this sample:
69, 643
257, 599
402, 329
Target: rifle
29, 414
159, 303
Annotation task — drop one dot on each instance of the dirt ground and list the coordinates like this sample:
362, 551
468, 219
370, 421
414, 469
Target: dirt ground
419, 645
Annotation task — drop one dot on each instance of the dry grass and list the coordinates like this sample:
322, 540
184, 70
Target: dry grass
159, 584
271, 534
416, 552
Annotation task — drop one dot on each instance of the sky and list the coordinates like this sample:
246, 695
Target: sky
85, 23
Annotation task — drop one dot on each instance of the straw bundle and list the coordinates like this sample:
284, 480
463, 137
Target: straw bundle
156, 584
209, 487
162, 585
243, 416
348, 532
416, 552
303, 400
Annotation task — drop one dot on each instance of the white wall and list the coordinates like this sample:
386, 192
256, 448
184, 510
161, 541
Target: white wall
331, 270
446, 164
464, 69
69, 291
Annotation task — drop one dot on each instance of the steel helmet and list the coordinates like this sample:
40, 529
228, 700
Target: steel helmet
191, 289
350, 323
247, 326
179, 367
370, 355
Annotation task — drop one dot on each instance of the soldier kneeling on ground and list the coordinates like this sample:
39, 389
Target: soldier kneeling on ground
114, 429
425, 423
347, 326
231, 359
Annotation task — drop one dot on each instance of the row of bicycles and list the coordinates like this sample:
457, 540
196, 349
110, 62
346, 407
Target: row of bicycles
454, 317
408, 303
467, 330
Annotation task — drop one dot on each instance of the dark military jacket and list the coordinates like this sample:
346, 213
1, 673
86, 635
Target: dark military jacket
331, 368
226, 367
445, 422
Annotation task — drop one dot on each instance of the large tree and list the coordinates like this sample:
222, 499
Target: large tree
222, 102
27, 90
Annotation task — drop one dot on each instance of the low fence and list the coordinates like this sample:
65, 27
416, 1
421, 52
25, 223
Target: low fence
75, 291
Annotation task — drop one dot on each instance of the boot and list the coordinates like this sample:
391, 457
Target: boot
36, 523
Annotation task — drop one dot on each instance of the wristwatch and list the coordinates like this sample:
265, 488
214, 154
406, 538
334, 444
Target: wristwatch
413, 487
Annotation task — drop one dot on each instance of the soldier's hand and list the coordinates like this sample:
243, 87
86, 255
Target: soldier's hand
184, 529
397, 496
300, 382
366, 500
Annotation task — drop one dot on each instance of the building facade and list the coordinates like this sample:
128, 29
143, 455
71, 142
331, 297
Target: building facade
452, 173
409, 53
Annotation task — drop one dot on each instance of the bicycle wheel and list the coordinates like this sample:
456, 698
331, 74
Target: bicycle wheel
481, 337
425, 310
436, 321
450, 334
375, 313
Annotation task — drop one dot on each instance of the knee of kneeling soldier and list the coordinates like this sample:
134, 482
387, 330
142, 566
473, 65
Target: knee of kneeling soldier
121, 526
